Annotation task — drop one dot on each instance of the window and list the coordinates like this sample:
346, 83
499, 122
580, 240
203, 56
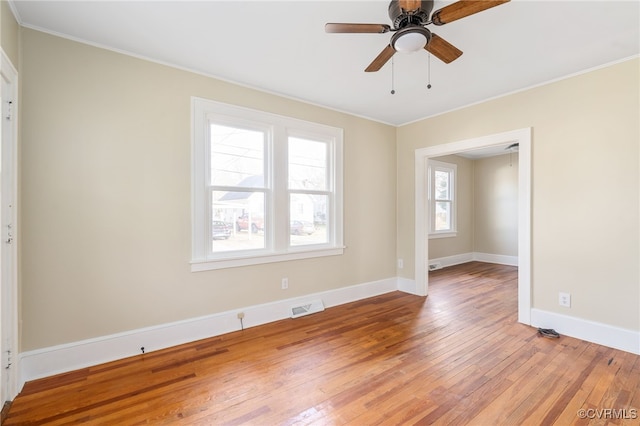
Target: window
266, 188
442, 206
309, 191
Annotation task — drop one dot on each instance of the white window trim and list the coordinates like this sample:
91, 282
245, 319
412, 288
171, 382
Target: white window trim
453, 168
278, 248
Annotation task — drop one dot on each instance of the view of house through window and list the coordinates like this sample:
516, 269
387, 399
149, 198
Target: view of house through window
238, 187
265, 187
308, 194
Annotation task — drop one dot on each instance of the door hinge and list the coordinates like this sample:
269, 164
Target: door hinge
9, 114
9, 360
9, 239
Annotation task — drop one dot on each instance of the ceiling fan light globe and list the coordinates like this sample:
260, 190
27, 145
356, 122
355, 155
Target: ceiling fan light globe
410, 42
410, 39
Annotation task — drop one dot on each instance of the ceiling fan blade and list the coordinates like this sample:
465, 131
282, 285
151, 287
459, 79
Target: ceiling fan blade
381, 59
356, 28
442, 49
462, 9
410, 5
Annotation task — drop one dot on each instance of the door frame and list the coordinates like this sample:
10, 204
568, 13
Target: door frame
9, 368
422, 155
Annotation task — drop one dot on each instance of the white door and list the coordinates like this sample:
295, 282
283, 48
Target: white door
8, 252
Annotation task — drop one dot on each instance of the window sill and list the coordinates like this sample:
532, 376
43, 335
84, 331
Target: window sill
443, 235
212, 264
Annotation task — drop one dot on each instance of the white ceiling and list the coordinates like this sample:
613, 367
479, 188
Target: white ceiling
281, 47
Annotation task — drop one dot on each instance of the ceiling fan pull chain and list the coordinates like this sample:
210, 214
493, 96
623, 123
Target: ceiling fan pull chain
393, 91
429, 71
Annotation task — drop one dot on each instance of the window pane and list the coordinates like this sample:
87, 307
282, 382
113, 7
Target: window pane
308, 219
442, 185
237, 157
307, 164
237, 220
443, 216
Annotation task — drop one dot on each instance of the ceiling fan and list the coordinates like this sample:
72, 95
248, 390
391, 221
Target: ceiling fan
410, 18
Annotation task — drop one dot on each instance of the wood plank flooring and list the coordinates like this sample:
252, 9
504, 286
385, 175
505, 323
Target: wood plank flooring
458, 357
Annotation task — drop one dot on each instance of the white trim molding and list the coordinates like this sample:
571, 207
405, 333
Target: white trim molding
591, 331
9, 293
500, 259
407, 285
456, 259
52, 360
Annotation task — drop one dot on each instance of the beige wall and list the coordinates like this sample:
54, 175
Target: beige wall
585, 150
495, 205
487, 207
105, 190
105, 213
463, 241
9, 33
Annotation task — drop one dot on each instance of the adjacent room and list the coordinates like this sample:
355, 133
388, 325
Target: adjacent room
349, 212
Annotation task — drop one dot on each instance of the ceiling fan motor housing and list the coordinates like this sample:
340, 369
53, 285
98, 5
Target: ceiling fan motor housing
401, 18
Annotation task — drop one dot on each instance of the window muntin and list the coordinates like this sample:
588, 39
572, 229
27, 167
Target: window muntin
442, 198
273, 182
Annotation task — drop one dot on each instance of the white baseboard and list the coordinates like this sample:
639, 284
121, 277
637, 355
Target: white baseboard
407, 285
458, 259
72, 356
496, 258
591, 331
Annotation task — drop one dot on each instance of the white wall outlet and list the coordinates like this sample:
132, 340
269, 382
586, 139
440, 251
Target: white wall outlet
400, 263
285, 283
564, 299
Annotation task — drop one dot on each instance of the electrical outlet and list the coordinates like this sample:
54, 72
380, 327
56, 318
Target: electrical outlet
400, 263
564, 299
285, 283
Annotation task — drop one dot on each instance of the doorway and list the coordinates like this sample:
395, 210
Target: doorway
498, 141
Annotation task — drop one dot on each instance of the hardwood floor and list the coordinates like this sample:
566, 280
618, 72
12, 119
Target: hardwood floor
457, 357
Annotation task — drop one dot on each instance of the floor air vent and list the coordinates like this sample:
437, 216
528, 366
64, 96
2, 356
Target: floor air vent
434, 266
307, 308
